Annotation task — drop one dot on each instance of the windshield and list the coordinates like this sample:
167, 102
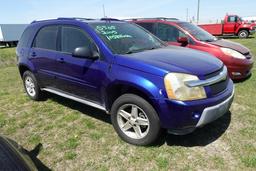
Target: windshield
126, 38
197, 32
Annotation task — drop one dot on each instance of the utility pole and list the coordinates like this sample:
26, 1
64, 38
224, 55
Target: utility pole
198, 11
187, 15
104, 14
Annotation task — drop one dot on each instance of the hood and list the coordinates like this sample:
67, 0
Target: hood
171, 59
232, 45
249, 23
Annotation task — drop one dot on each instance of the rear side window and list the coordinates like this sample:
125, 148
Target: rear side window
26, 36
169, 33
72, 38
147, 26
47, 38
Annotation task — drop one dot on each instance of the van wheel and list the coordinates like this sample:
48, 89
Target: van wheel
135, 120
243, 34
31, 86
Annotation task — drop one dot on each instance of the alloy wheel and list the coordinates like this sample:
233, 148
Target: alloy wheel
30, 86
133, 121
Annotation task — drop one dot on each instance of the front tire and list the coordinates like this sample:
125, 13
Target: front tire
243, 34
31, 86
135, 120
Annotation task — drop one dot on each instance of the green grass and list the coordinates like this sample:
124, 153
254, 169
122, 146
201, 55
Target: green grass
70, 155
250, 161
77, 137
72, 143
7, 57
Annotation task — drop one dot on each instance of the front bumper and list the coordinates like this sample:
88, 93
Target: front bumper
181, 118
214, 112
240, 69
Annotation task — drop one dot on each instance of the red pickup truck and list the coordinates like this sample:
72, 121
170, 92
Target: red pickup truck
232, 25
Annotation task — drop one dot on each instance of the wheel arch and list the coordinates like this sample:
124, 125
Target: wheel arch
241, 29
116, 90
23, 68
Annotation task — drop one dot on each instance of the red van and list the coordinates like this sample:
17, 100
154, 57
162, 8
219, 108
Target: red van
235, 56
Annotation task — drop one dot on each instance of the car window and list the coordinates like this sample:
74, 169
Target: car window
232, 19
47, 38
169, 33
147, 26
126, 38
25, 37
197, 32
72, 38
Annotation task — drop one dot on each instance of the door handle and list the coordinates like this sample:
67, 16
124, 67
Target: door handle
33, 54
61, 60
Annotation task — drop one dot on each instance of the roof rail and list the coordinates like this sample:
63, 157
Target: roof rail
43, 20
62, 18
74, 18
155, 18
110, 19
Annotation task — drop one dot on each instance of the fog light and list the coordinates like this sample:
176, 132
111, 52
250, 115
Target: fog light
236, 73
196, 115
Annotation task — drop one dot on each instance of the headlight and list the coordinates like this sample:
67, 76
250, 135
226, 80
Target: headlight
177, 90
233, 53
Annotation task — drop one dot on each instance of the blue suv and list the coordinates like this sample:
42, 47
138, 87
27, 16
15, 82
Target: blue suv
115, 66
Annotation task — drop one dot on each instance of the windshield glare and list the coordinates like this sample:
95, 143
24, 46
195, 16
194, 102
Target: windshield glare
125, 38
197, 32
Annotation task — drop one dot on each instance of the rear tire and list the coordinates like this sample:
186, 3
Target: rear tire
31, 86
135, 120
243, 34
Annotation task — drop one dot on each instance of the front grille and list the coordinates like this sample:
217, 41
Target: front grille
217, 87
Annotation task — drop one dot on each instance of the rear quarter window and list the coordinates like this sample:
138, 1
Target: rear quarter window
26, 38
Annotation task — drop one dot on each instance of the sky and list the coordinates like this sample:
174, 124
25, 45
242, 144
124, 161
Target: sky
26, 11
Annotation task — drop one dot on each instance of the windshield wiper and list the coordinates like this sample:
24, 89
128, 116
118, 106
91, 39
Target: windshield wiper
140, 50
132, 51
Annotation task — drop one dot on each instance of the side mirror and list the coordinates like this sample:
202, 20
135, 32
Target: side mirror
183, 41
85, 52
